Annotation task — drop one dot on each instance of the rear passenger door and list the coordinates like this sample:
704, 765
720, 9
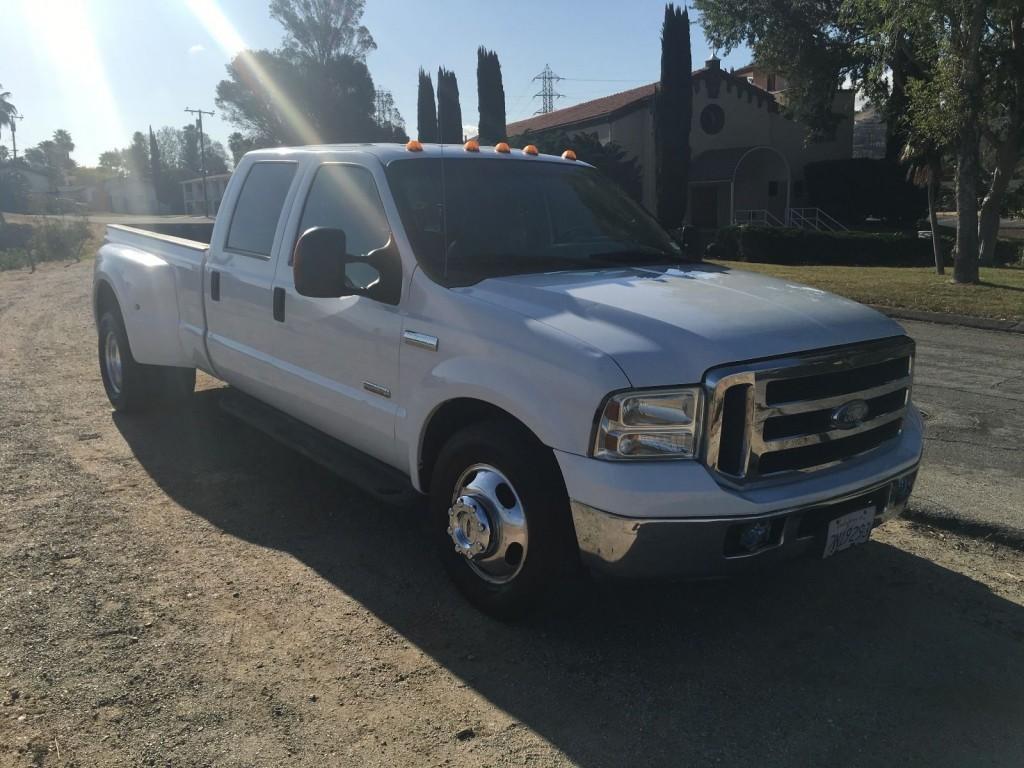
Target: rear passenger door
340, 356
240, 277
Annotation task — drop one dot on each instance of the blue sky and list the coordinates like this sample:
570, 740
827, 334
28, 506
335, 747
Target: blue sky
105, 68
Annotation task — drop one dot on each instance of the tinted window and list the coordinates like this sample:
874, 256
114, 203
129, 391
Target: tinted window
259, 207
508, 216
345, 197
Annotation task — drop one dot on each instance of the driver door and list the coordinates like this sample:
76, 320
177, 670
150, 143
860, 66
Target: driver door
339, 356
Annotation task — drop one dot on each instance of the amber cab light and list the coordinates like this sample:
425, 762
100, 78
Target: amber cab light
472, 146
502, 146
529, 149
568, 155
414, 146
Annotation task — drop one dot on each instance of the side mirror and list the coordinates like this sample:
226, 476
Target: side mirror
318, 264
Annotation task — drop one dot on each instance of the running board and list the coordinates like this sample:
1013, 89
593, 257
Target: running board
383, 482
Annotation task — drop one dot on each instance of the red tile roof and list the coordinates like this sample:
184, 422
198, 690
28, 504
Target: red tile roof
606, 106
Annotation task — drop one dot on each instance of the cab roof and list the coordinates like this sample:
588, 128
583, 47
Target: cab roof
388, 152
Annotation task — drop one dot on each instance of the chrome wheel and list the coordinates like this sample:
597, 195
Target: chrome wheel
487, 524
112, 362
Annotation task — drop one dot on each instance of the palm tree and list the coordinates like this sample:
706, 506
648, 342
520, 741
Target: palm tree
7, 110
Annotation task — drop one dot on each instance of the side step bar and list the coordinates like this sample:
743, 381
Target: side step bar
376, 478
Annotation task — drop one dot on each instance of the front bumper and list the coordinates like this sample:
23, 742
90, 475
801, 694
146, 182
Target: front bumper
710, 548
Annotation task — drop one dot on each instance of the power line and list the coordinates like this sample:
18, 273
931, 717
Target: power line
547, 90
202, 156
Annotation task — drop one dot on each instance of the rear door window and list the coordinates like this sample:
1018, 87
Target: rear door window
258, 208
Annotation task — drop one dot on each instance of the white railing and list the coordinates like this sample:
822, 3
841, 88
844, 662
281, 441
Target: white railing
814, 218
759, 216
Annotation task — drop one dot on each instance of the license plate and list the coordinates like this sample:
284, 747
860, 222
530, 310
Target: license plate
849, 529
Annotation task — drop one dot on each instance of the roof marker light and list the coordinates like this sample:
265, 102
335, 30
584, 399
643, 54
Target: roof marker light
502, 146
414, 146
472, 146
568, 155
530, 149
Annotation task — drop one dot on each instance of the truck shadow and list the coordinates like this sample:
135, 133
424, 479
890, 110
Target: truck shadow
874, 657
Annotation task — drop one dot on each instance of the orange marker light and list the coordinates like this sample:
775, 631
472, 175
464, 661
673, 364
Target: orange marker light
414, 146
529, 149
471, 146
568, 155
502, 146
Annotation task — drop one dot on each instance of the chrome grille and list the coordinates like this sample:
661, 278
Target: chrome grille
773, 417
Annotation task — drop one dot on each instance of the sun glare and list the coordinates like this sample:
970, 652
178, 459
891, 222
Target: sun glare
63, 31
228, 39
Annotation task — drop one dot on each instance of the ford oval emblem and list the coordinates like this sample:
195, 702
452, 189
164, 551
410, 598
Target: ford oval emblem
850, 415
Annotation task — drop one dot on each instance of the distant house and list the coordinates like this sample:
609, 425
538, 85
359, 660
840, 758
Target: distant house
129, 195
748, 158
192, 192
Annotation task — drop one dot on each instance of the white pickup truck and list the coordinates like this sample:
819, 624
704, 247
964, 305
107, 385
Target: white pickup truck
510, 335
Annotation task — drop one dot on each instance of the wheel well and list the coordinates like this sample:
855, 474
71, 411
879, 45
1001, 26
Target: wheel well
449, 419
105, 299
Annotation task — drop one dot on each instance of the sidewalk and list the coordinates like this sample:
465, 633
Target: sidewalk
944, 318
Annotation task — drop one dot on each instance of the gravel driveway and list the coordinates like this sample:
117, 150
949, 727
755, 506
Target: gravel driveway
179, 590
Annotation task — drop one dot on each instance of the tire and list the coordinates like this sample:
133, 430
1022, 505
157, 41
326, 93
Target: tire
506, 567
131, 386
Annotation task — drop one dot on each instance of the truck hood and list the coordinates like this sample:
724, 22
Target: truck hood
668, 325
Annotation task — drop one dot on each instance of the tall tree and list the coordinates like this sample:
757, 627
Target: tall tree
323, 30
490, 97
138, 156
449, 110
239, 145
63, 146
190, 159
7, 109
426, 110
155, 165
672, 117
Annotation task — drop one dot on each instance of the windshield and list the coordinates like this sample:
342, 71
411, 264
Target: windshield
505, 216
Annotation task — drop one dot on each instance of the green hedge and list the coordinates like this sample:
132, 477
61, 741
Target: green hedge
773, 245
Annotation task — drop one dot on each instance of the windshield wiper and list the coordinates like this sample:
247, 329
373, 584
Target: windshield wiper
636, 256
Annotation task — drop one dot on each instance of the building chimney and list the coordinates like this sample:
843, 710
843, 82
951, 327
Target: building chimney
713, 63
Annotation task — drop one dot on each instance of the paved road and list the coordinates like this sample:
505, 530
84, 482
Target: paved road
970, 384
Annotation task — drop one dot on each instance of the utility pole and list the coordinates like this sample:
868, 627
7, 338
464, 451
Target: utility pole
14, 132
547, 90
202, 156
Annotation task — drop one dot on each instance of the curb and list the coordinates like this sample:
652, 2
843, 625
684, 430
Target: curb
943, 318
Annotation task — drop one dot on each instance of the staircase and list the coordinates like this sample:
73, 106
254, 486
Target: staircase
814, 218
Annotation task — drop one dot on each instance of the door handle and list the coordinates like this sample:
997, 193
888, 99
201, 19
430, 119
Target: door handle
279, 304
214, 285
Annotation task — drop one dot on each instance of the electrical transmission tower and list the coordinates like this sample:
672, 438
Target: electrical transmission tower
547, 91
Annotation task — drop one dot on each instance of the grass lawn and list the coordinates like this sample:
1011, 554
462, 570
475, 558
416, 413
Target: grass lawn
1000, 294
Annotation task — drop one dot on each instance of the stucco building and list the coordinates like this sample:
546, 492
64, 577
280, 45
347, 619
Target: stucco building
192, 193
748, 159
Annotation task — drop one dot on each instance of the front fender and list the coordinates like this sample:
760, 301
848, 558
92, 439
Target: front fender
144, 286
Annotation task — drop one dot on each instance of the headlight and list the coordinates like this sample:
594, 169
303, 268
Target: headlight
651, 424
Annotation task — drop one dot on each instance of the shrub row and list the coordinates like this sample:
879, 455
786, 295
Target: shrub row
771, 245
25, 245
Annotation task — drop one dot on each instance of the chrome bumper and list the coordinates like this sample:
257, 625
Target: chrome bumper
709, 547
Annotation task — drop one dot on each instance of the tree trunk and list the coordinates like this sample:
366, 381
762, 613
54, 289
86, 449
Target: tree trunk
934, 174
968, 166
988, 224
1009, 150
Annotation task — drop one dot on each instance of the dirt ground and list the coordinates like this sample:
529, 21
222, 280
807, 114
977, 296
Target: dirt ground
178, 590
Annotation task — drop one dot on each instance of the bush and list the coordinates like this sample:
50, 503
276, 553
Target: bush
25, 245
855, 189
772, 245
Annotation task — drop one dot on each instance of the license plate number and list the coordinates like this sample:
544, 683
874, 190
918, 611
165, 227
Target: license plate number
848, 530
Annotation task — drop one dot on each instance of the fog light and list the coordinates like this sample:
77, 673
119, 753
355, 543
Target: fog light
754, 536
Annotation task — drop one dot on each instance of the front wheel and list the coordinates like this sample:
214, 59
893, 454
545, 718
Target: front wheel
499, 513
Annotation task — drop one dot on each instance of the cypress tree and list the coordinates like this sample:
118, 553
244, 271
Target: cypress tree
449, 112
490, 97
672, 117
154, 164
426, 110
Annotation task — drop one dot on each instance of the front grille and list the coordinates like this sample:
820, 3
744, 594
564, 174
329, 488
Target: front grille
781, 415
